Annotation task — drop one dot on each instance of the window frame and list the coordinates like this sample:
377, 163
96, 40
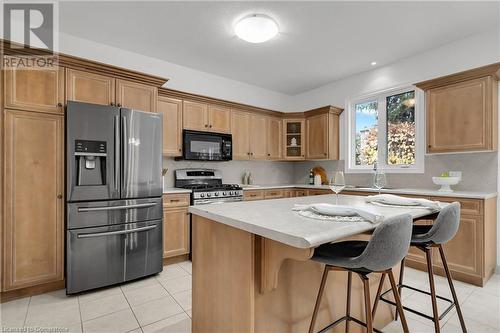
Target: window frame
381, 98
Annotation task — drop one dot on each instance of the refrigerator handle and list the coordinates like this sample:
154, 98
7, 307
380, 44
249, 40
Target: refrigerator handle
117, 152
124, 146
120, 232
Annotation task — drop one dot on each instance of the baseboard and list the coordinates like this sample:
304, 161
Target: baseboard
10, 295
497, 270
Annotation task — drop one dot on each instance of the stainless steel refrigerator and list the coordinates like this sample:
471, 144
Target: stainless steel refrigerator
113, 195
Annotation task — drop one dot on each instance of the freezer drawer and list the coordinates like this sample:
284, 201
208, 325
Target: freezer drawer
106, 213
102, 256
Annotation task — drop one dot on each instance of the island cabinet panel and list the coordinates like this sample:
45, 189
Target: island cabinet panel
33, 236
246, 283
171, 109
89, 87
274, 138
195, 116
317, 137
240, 129
219, 119
176, 230
136, 96
462, 116
258, 137
39, 90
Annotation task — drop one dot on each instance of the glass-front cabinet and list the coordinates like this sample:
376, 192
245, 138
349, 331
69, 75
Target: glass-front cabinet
293, 140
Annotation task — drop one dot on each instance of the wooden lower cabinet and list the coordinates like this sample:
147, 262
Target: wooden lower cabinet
33, 233
176, 231
253, 195
273, 194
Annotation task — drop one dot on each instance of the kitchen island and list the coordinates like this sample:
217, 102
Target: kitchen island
251, 267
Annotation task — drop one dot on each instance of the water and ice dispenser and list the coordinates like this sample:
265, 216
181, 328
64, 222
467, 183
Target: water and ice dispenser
90, 158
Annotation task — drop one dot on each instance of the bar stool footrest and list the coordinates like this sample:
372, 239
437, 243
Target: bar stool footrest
402, 286
346, 318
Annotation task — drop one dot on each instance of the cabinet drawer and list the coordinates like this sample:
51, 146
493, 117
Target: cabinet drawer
301, 193
273, 194
319, 192
175, 200
467, 206
253, 195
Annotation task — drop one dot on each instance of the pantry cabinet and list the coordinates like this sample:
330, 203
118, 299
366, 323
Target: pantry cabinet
171, 109
462, 111
89, 87
35, 90
33, 236
176, 230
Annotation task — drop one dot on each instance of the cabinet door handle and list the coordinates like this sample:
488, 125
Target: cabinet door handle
174, 200
59, 196
59, 105
112, 104
210, 126
119, 105
206, 125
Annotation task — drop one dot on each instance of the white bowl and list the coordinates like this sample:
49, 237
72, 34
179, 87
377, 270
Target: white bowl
445, 182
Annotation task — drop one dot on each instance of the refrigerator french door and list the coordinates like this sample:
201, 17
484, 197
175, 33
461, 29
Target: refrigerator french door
114, 195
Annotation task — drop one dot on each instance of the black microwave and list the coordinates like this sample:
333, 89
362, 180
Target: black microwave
207, 146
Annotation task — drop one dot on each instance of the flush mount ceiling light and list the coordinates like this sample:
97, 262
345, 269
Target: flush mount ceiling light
373, 63
256, 28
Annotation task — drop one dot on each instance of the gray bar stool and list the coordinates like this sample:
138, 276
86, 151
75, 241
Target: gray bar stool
425, 237
388, 246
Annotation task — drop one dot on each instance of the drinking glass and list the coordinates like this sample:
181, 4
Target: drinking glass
337, 183
379, 180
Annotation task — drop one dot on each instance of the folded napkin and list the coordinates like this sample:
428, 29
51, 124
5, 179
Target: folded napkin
338, 210
396, 200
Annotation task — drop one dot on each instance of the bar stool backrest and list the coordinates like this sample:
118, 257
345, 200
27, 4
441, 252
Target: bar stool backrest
389, 244
446, 225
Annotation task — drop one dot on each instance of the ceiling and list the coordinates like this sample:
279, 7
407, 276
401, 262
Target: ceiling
319, 42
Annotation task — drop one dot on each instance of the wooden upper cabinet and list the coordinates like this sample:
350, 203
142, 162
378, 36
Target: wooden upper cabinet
274, 138
240, 128
136, 96
462, 111
89, 87
258, 137
171, 109
317, 137
35, 90
33, 237
219, 119
195, 116
293, 139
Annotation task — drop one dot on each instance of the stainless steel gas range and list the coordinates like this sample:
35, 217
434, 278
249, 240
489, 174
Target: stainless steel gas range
207, 187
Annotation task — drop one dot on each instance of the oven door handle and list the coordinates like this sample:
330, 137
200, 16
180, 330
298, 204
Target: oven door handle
95, 209
120, 232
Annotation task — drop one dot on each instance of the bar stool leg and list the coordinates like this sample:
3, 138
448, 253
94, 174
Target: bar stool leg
452, 288
366, 287
401, 272
428, 254
348, 303
379, 291
397, 298
318, 299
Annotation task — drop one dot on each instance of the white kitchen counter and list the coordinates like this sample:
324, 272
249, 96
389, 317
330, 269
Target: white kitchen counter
275, 219
175, 190
429, 192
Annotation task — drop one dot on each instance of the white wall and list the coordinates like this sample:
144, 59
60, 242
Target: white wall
180, 77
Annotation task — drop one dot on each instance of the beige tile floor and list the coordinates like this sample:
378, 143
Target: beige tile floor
163, 304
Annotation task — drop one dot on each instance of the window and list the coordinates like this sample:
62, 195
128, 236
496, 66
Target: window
386, 128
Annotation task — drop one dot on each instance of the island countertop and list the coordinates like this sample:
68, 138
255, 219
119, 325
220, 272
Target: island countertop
274, 219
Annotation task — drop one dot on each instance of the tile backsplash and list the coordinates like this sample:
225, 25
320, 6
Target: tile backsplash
479, 171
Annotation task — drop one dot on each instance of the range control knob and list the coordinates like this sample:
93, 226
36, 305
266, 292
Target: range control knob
231, 193
224, 193
202, 195
209, 195
216, 194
